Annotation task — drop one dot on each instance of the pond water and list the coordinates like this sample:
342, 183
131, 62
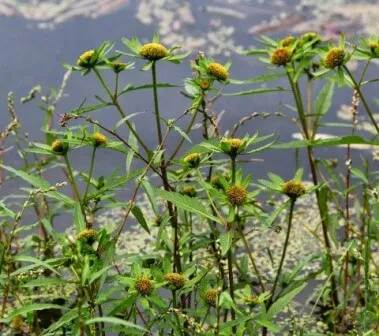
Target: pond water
39, 35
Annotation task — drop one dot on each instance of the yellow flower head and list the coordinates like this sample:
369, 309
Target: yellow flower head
193, 160
281, 56
99, 139
84, 60
59, 147
117, 66
189, 191
175, 279
144, 286
311, 36
294, 189
153, 51
87, 234
374, 46
288, 41
218, 71
235, 143
237, 195
251, 300
334, 58
210, 297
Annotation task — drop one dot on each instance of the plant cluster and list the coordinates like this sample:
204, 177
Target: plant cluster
205, 270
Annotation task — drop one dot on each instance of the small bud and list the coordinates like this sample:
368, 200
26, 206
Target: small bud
59, 147
281, 56
251, 300
174, 279
193, 160
334, 58
86, 235
288, 41
117, 67
99, 139
232, 146
153, 51
210, 297
294, 189
144, 285
84, 60
237, 195
311, 36
189, 191
218, 71
374, 47
204, 84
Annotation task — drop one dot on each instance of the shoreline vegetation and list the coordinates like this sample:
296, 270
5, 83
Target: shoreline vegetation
200, 247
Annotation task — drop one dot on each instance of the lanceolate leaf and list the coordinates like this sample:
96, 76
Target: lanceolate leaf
256, 91
226, 240
186, 203
32, 307
140, 218
324, 99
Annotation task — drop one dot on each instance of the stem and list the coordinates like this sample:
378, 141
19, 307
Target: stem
292, 205
156, 105
357, 87
119, 109
90, 173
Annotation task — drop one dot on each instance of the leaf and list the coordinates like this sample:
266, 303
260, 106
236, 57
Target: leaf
79, 221
226, 240
35, 261
359, 174
115, 320
350, 139
151, 196
259, 79
82, 110
186, 203
269, 325
140, 218
283, 301
65, 319
324, 99
31, 307
255, 91
182, 133
45, 282
130, 88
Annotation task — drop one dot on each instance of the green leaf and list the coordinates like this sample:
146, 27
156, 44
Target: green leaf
151, 196
83, 110
131, 88
255, 91
115, 320
283, 301
186, 203
36, 262
226, 240
31, 307
140, 218
79, 221
324, 99
269, 325
65, 319
46, 282
259, 79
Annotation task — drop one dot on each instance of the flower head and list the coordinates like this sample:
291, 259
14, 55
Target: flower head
293, 189
251, 300
189, 191
237, 195
374, 47
218, 71
193, 160
99, 139
311, 36
204, 84
175, 279
334, 58
59, 147
144, 285
288, 41
232, 146
210, 297
84, 59
88, 235
153, 51
281, 56
118, 66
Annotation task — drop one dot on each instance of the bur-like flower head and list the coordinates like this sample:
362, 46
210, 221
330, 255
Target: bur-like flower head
334, 58
281, 56
218, 71
175, 279
237, 195
84, 59
153, 51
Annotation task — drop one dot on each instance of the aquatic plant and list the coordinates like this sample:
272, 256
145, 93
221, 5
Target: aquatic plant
198, 246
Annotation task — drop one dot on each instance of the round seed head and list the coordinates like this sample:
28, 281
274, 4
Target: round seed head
288, 41
281, 56
59, 147
99, 139
153, 51
193, 160
175, 279
218, 71
294, 189
210, 297
189, 191
334, 58
87, 235
144, 286
84, 59
237, 195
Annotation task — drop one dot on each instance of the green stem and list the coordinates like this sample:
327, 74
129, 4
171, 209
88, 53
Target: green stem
156, 105
357, 87
233, 161
292, 205
90, 173
119, 109
73, 183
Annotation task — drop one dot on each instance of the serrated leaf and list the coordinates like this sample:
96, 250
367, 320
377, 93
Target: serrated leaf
140, 218
79, 221
186, 203
255, 91
226, 240
31, 307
